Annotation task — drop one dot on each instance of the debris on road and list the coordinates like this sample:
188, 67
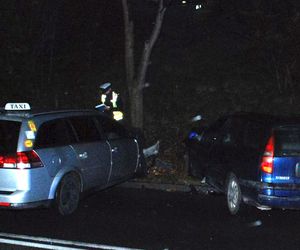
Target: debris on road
256, 223
152, 150
163, 164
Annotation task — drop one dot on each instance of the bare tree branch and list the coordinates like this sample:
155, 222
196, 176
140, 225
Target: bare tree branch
129, 43
150, 44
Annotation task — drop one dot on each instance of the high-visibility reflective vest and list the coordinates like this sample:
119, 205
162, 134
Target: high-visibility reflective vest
113, 99
118, 115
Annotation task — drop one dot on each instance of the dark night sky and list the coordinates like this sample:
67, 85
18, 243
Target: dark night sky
215, 60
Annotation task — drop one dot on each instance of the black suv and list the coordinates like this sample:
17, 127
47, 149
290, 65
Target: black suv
252, 158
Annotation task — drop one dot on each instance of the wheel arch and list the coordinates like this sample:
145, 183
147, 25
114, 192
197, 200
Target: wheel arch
58, 178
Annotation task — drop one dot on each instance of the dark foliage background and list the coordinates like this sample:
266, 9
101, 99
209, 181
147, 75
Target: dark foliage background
231, 55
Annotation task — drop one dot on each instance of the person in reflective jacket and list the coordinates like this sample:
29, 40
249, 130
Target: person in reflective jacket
110, 102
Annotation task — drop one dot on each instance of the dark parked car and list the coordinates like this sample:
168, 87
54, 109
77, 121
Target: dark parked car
252, 158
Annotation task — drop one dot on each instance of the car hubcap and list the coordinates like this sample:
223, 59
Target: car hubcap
233, 195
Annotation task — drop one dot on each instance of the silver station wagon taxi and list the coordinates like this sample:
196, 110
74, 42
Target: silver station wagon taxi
52, 157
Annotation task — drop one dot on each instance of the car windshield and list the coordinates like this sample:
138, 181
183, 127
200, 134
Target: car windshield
9, 134
287, 141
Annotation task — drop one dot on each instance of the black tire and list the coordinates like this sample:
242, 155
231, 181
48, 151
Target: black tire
68, 194
233, 195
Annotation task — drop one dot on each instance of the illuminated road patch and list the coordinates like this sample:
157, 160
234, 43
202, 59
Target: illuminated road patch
47, 243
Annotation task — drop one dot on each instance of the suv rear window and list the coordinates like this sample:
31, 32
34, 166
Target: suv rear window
287, 141
9, 134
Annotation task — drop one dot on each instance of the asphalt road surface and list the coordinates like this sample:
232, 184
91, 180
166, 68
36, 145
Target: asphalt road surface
121, 218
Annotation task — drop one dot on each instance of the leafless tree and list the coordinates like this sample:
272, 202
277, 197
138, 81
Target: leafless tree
136, 73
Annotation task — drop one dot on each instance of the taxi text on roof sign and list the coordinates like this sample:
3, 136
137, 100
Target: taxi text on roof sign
17, 106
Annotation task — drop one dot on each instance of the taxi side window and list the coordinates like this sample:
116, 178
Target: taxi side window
86, 129
111, 129
54, 133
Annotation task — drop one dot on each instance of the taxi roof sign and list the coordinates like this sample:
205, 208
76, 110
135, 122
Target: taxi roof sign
17, 106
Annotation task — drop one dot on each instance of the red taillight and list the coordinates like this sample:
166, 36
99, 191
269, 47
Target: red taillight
267, 159
21, 160
4, 204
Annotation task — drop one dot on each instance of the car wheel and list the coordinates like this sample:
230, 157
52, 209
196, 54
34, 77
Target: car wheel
68, 194
233, 194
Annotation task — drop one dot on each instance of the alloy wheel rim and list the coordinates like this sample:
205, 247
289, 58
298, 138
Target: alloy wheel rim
233, 195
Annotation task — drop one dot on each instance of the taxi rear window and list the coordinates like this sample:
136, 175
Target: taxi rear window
9, 134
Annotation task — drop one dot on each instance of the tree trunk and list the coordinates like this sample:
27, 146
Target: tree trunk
136, 80
129, 62
136, 107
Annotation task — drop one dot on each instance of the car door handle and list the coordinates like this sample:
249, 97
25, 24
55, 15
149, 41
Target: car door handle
83, 155
114, 150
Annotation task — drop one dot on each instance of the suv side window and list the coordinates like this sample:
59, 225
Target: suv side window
211, 134
54, 133
230, 134
111, 129
86, 129
253, 135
